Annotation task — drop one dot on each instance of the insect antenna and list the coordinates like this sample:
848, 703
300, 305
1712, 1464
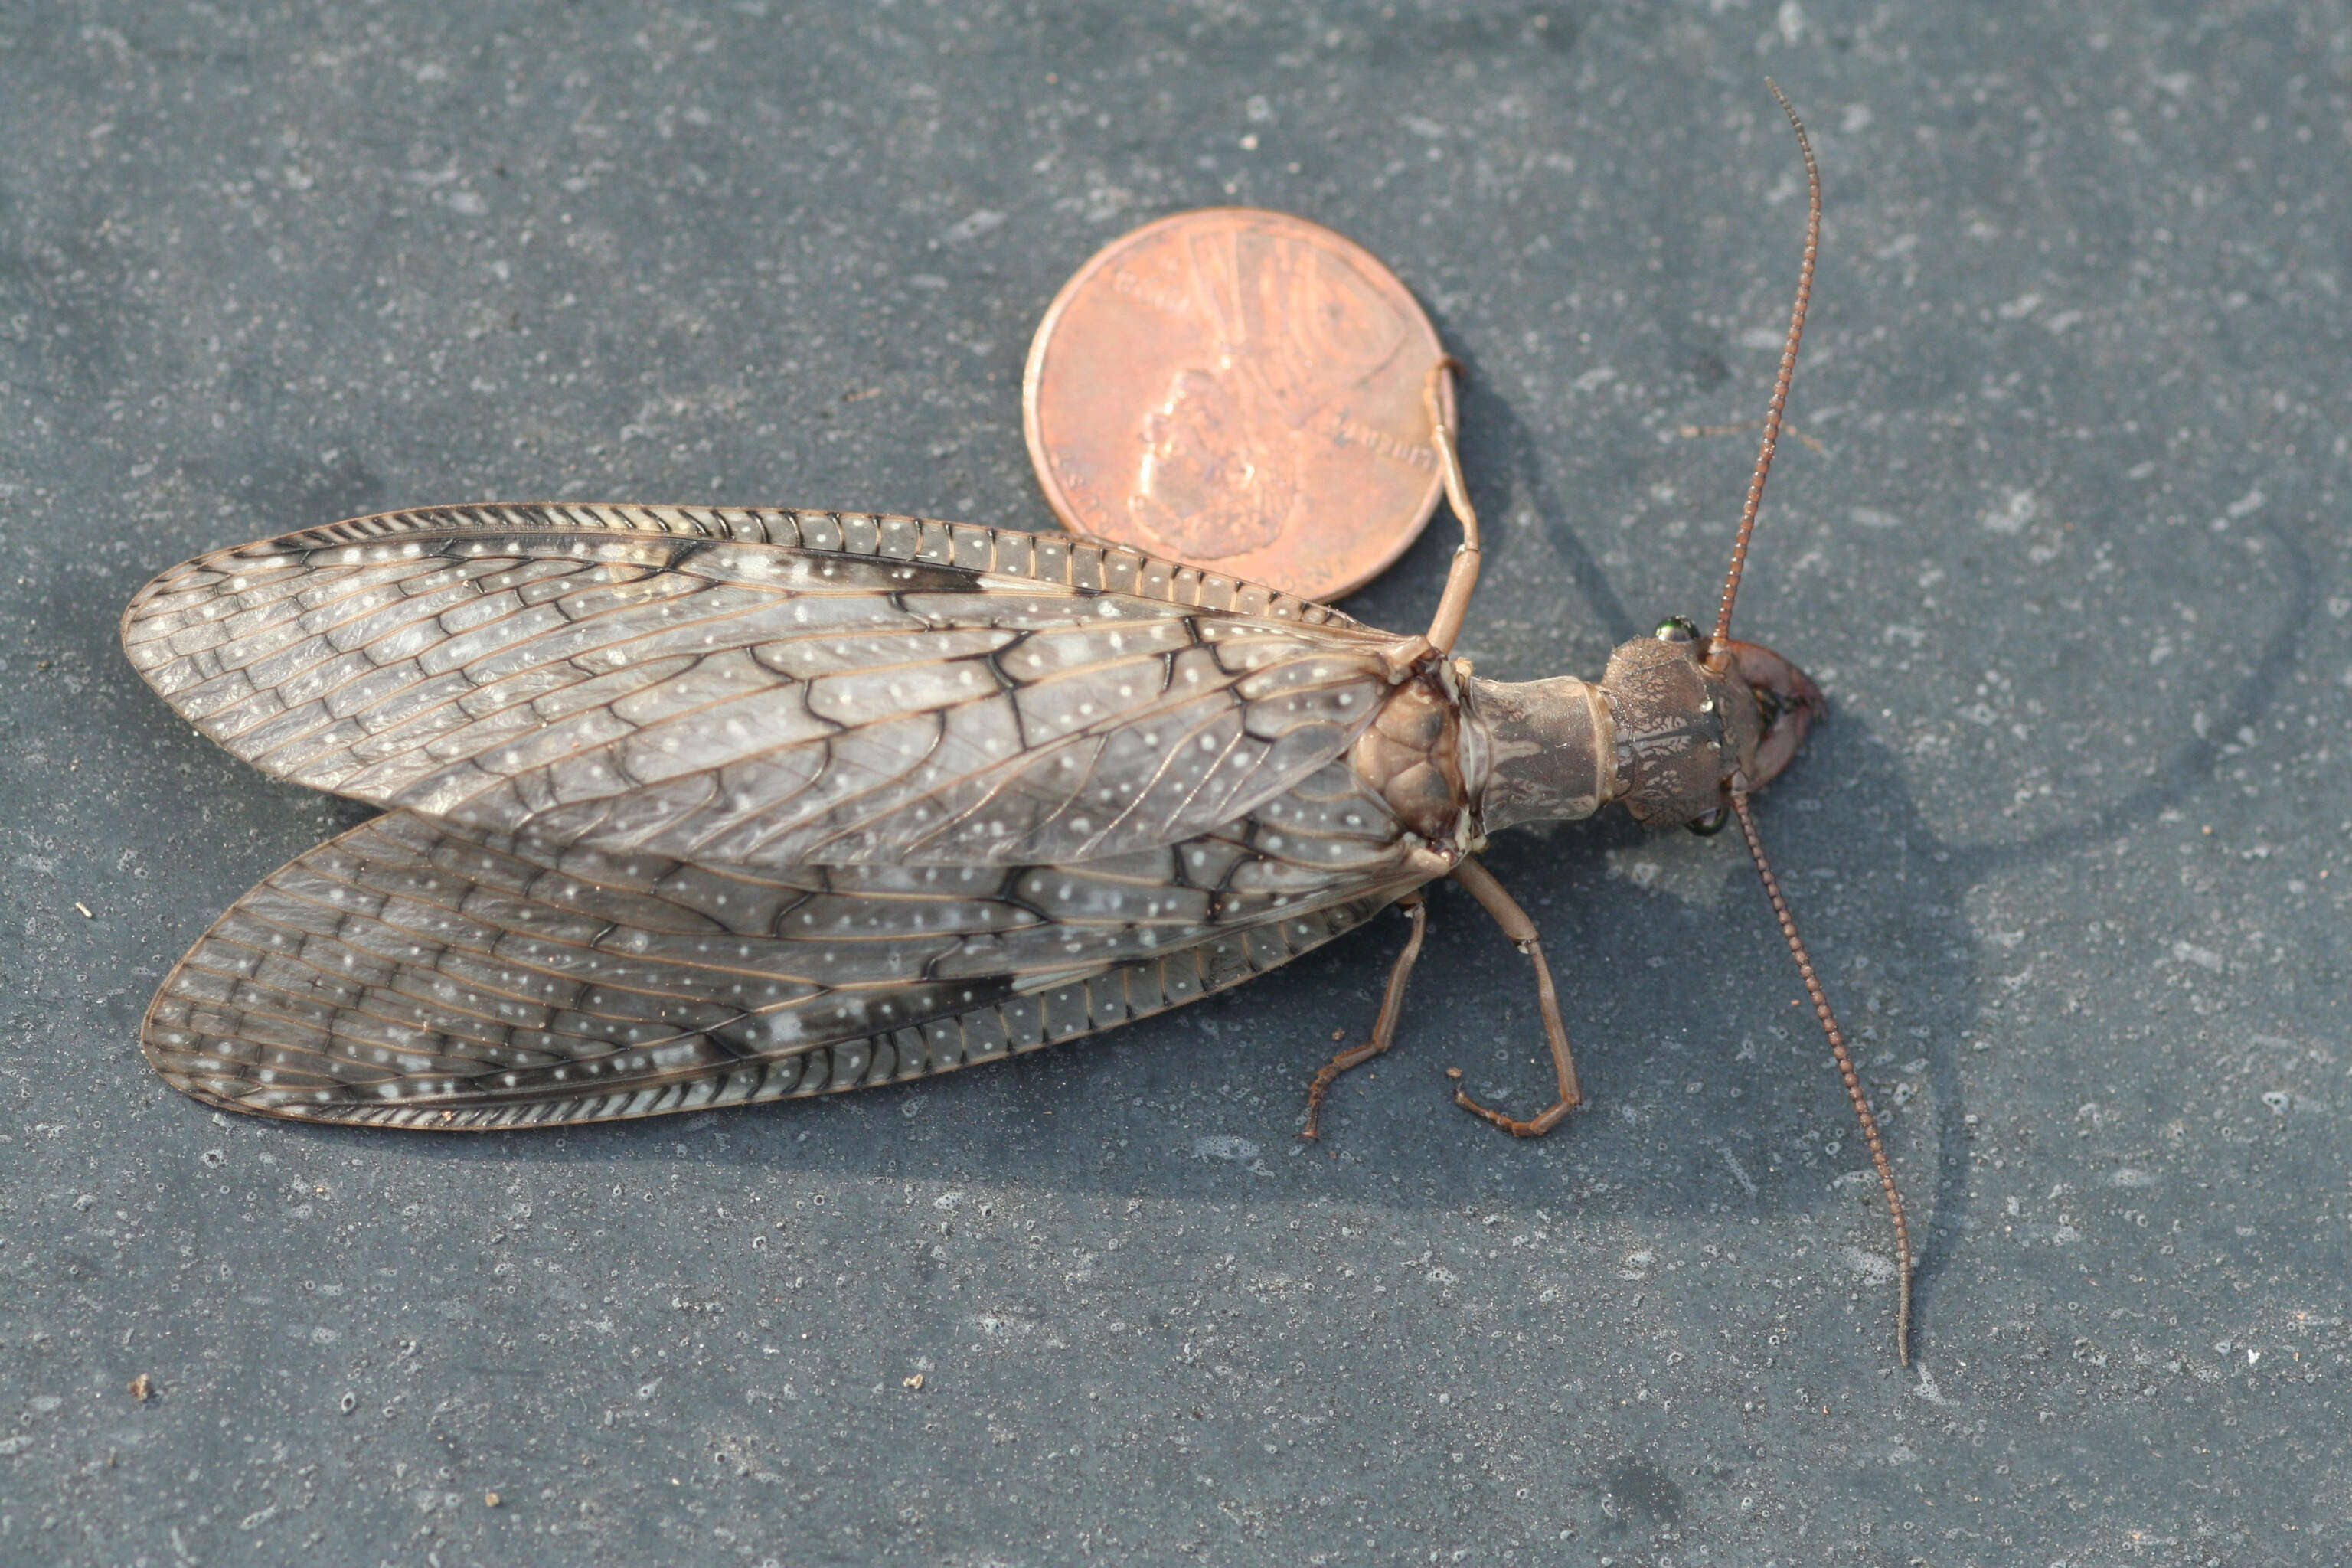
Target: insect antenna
1845, 1070
1780, 383
1740, 783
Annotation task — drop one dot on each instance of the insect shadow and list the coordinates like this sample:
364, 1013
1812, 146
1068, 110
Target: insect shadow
1673, 981
1504, 461
1706, 1100
1711, 1096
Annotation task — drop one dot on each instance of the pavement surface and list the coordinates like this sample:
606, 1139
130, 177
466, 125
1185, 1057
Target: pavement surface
2063, 542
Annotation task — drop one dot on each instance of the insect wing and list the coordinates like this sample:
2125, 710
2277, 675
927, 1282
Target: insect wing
409, 973
760, 688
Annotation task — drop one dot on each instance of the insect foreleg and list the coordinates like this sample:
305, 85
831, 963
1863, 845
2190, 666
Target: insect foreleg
1481, 885
1384, 1026
1462, 577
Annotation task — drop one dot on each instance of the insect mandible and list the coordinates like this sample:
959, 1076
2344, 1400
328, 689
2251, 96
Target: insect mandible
695, 806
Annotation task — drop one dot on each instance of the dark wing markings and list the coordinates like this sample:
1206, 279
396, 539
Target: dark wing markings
322, 1019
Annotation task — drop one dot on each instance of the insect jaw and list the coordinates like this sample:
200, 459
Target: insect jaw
1786, 698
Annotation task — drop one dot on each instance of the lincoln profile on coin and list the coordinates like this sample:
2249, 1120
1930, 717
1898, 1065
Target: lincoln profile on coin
1295, 327
1206, 486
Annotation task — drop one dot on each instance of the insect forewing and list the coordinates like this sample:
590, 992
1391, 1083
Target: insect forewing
758, 689
409, 973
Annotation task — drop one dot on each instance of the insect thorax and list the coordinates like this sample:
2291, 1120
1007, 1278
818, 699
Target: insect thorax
1659, 735
1412, 754
1538, 751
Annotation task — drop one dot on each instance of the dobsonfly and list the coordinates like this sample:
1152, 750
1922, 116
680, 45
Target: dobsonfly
688, 806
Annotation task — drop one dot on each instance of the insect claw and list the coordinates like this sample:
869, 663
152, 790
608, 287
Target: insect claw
1353, 1057
1535, 1126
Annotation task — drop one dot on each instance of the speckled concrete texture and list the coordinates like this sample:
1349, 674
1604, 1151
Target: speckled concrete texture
2062, 538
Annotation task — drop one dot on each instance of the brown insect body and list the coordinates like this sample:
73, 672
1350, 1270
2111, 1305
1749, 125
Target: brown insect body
339, 656
690, 807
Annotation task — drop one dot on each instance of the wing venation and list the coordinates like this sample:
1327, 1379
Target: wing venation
410, 973
759, 687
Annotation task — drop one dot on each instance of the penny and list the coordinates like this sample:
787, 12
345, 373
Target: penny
1239, 390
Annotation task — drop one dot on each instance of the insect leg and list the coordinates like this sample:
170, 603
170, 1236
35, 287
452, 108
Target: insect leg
1462, 577
1384, 1026
1481, 885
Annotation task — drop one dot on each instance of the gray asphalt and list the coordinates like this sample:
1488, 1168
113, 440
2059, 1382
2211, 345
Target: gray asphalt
2063, 544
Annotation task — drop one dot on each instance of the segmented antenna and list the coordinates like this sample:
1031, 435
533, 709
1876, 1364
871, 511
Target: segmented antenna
1788, 370
1845, 1070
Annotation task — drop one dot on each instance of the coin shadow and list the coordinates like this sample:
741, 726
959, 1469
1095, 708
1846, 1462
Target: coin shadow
1505, 465
1498, 440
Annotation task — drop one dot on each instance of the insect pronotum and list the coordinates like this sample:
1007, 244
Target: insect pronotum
692, 806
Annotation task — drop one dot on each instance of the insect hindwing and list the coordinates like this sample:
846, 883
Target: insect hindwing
412, 973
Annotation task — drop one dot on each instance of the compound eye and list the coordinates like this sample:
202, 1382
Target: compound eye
1677, 628
1707, 824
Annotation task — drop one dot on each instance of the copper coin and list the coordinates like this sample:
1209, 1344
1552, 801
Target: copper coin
1241, 391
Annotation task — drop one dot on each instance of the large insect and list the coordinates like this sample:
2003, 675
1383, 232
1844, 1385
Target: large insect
699, 806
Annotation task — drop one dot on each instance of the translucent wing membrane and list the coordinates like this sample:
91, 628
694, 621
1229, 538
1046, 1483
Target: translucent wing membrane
411, 973
758, 689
